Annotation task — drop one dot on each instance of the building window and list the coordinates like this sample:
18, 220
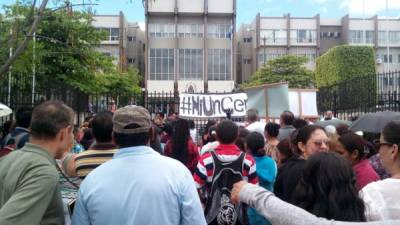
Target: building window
303, 36
268, 56
131, 38
326, 35
385, 58
246, 61
190, 64
398, 60
162, 30
394, 37
219, 31
112, 34
161, 64
247, 40
130, 60
273, 36
190, 30
219, 64
357, 36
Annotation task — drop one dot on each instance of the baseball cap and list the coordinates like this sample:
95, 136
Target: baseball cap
131, 115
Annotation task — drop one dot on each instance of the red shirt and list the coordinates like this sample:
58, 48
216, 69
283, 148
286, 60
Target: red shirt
365, 174
193, 154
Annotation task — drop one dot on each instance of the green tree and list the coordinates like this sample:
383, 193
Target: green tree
288, 68
65, 49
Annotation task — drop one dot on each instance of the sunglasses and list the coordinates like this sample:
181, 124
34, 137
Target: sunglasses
320, 142
379, 144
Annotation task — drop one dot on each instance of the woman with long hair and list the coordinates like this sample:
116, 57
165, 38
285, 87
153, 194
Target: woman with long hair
181, 146
327, 189
306, 141
382, 197
355, 150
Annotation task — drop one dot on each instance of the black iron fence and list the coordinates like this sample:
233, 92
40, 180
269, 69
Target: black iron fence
360, 95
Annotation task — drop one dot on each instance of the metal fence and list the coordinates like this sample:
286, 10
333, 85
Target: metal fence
360, 95
83, 104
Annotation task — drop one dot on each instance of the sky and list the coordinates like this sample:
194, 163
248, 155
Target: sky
248, 9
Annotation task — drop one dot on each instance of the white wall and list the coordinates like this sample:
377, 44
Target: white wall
309, 24
198, 86
106, 21
220, 86
392, 25
273, 23
191, 6
160, 85
330, 22
161, 5
220, 6
361, 24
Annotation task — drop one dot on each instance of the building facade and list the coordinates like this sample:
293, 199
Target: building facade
267, 38
124, 42
190, 45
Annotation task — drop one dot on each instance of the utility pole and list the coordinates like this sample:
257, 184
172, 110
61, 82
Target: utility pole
387, 38
264, 54
33, 69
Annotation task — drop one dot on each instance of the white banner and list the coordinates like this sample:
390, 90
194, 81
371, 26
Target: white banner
212, 105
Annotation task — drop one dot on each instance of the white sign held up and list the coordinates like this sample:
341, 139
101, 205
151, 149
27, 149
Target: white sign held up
212, 105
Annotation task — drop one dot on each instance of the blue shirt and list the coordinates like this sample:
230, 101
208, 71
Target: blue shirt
139, 186
266, 170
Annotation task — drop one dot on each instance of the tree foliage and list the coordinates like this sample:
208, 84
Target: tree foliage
288, 68
65, 49
344, 62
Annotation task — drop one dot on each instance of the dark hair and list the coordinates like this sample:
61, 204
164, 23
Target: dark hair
243, 132
391, 132
287, 117
303, 135
352, 142
102, 126
49, 118
285, 150
299, 123
252, 115
212, 134
227, 132
7, 126
23, 117
131, 140
327, 189
272, 129
76, 129
342, 129
255, 142
180, 140
191, 124
87, 138
168, 128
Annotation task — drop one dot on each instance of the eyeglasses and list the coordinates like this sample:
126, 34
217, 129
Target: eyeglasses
320, 142
379, 144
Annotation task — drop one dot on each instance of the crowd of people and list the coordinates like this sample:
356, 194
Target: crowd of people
124, 167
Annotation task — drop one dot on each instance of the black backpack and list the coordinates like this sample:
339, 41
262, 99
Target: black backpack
219, 208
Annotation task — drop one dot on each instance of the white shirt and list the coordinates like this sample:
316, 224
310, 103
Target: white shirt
256, 126
382, 199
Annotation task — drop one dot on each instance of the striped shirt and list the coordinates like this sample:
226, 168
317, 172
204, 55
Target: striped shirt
88, 160
205, 168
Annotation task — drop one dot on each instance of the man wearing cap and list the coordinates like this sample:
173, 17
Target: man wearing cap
138, 186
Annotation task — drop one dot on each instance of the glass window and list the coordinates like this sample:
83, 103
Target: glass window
191, 64
219, 63
219, 31
161, 64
